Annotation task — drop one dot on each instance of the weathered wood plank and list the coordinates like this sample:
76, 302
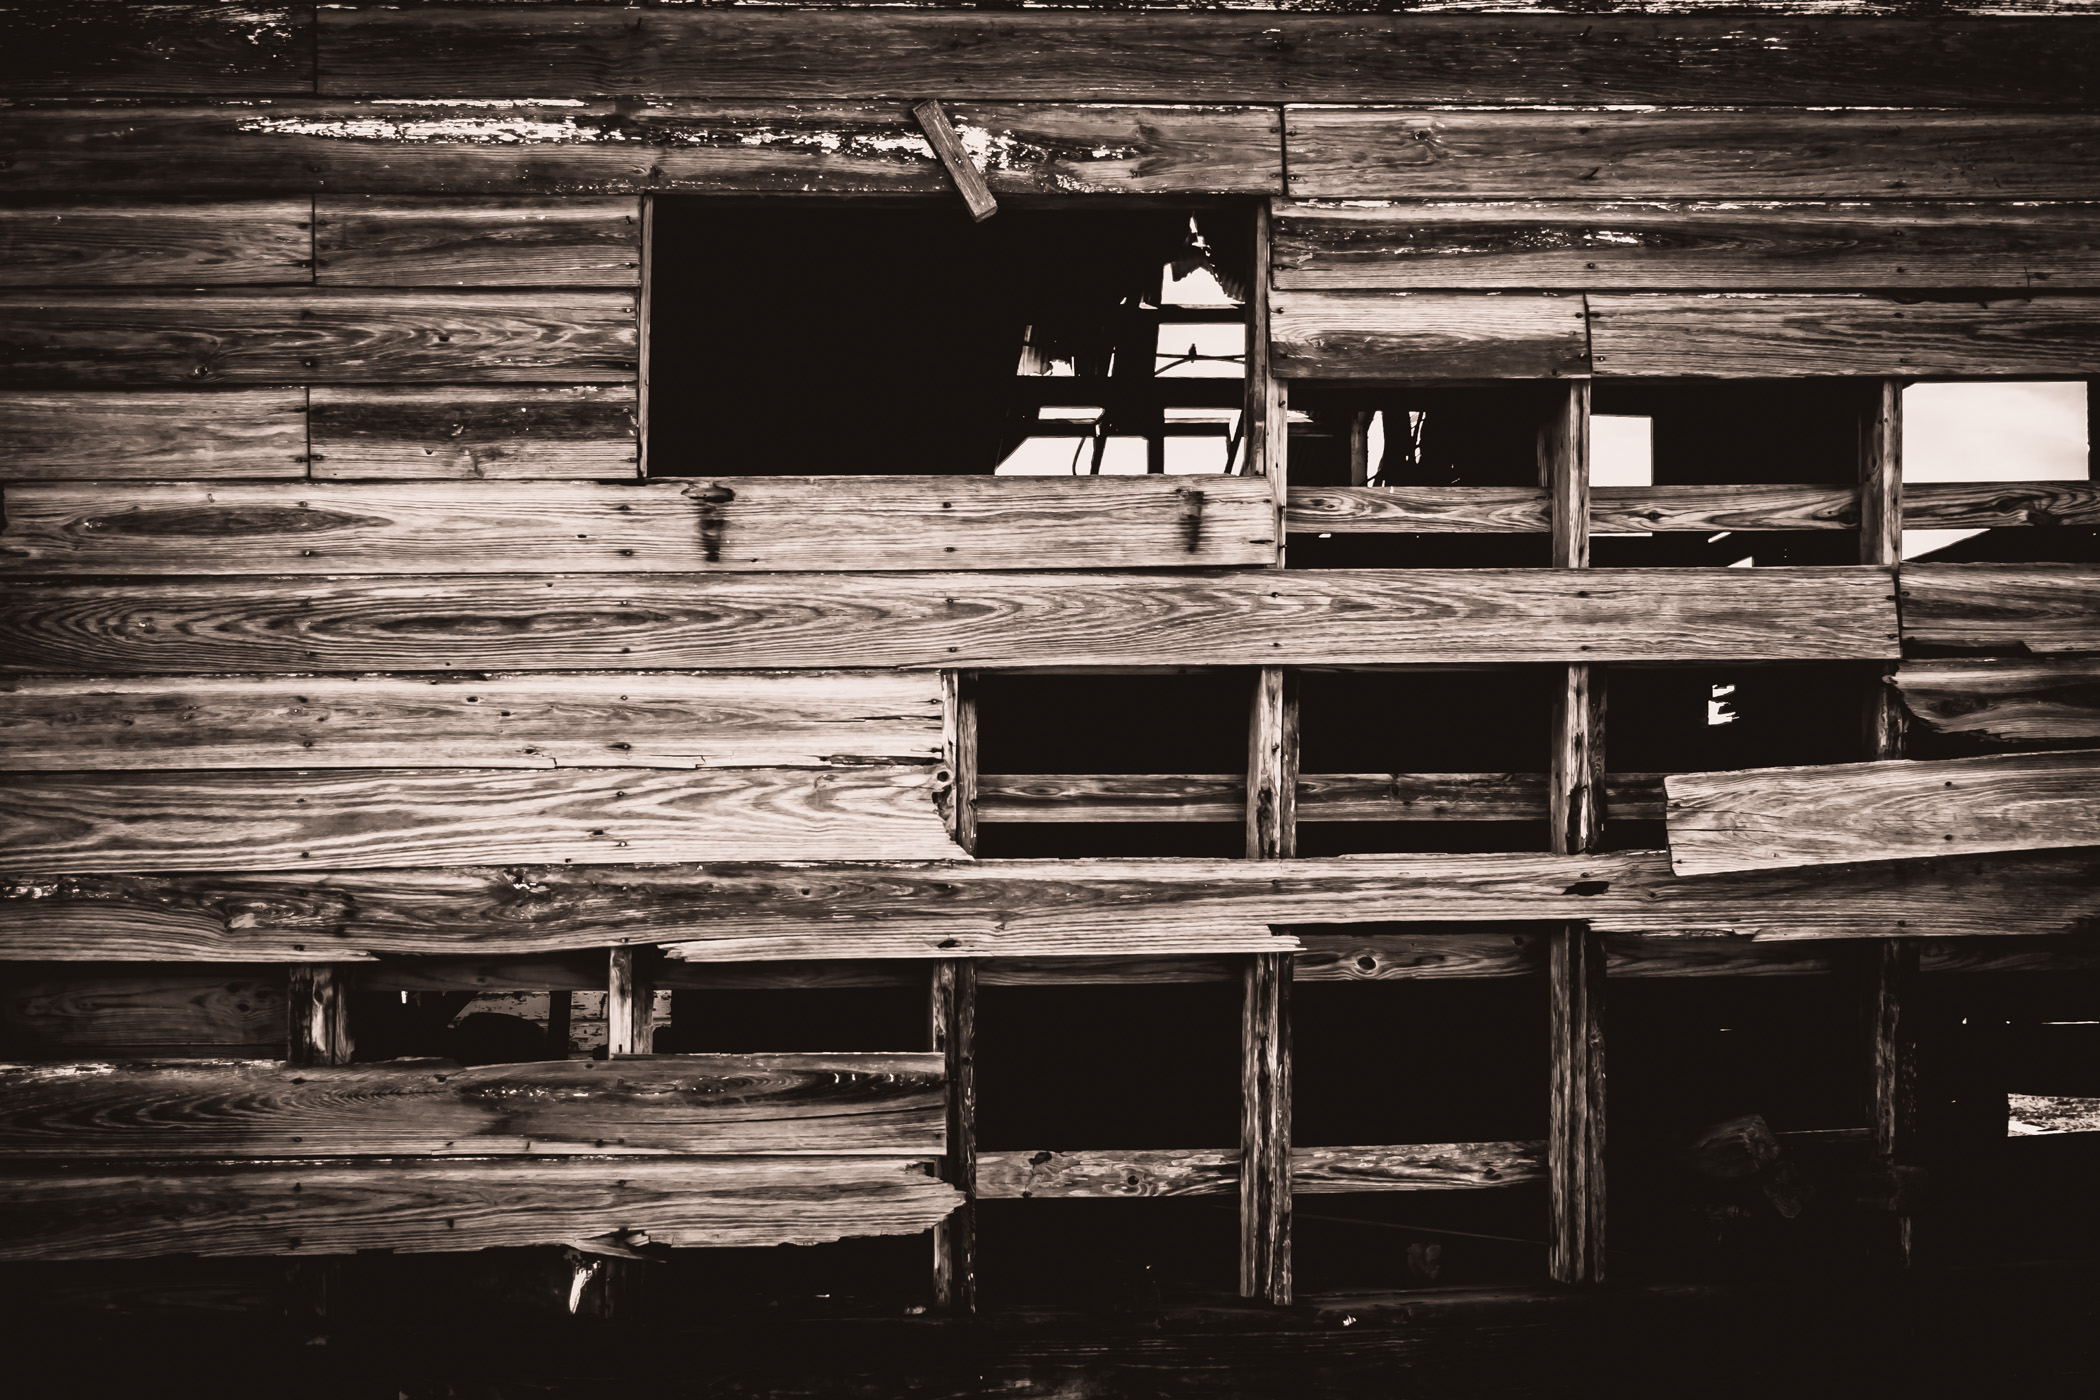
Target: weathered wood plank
317, 1015
142, 1010
822, 1105
622, 720
142, 245
2031, 608
58, 339
1575, 1159
1658, 245
90, 1212
1445, 1166
573, 242
522, 148
1588, 154
1265, 1157
1763, 818
68, 47
515, 432
1322, 797
409, 817
744, 524
2004, 702
951, 1016
1757, 336
93, 435
1334, 617
1403, 335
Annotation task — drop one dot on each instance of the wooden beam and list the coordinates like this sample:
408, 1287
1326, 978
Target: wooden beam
573, 241
952, 1014
2003, 703
1321, 797
955, 159
96, 435
1445, 1166
630, 1002
1265, 1130
1411, 336
317, 1016
253, 242
1895, 974
531, 432
1881, 522
2025, 609
1575, 1130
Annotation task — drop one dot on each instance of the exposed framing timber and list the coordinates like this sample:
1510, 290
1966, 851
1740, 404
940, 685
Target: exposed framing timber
317, 1015
955, 159
952, 1013
629, 1002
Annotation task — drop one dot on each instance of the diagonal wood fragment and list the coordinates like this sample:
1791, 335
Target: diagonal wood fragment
955, 159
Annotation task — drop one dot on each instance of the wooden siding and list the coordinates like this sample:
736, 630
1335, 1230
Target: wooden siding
96, 435
253, 242
513, 432
573, 242
2032, 608
2004, 702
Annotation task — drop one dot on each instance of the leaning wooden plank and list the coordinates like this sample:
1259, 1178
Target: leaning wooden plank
2020, 608
1744, 335
1444, 1166
1322, 797
59, 339
191, 245
1400, 335
1339, 617
302, 1208
512, 432
142, 1010
1658, 245
224, 49
362, 241
522, 148
1758, 154
409, 817
622, 720
95, 435
749, 524
822, 1105
2004, 702
1765, 818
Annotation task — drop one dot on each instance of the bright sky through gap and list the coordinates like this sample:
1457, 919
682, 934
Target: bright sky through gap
2015, 431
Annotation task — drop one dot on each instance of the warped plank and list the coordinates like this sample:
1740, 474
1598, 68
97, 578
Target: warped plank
762, 524
1403, 335
142, 244
987, 908
1760, 154
572, 242
1684, 245
1322, 797
521, 148
272, 820
1779, 336
515, 432
68, 47
819, 1105
146, 1010
94, 435
305, 1208
2004, 702
2036, 608
621, 720
59, 339
1763, 818
1445, 1166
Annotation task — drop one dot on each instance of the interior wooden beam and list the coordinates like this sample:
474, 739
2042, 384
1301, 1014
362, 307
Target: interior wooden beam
952, 1012
1321, 797
317, 1015
1265, 1051
630, 1002
1448, 1166
1895, 1048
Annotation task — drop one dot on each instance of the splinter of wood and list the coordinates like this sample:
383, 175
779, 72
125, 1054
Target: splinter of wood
941, 135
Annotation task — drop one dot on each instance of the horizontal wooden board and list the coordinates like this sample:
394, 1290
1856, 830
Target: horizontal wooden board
1208, 57
521, 148
226, 48
573, 242
327, 337
97, 435
138, 1009
466, 720
2004, 702
407, 817
530, 432
305, 1208
1761, 337
1589, 153
824, 1105
1762, 818
1689, 245
2018, 608
1445, 1166
1322, 797
1334, 617
1402, 335
258, 241
743, 524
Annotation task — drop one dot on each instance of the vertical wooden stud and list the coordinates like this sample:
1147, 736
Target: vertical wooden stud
1265, 1055
629, 1003
559, 1015
959, 756
643, 298
1272, 766
317, 1016
952, 1027
1881, 536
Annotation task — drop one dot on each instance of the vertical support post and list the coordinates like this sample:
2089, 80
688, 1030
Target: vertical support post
643, 298
959, 756
1896, 1065
629, 1003
1265, 1052
1881, 536
317, 1016
559, 1010
952, 1017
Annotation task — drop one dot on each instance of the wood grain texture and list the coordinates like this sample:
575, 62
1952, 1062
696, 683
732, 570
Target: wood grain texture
767, 524
1402, 335
524, 148
139, 1010
94, 1212
471, 720
58, 339
630, 1001
1757, 154
317, 1015
1265, 1177
573, 242
1446, 1166
1687, 245
2036, 609
1322, 797
409, 817
1362, 617
1757, 336
822, 1105
948, 146
93, 435
1272, 766
1763, 818
1575, 1138
70, 47
951, 1024
2004, 702
252, 242
530, 432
